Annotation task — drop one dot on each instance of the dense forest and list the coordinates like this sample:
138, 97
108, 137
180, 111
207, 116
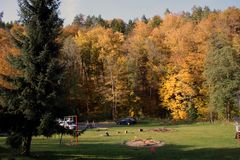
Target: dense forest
182, 66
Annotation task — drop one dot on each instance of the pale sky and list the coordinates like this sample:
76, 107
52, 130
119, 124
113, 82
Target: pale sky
125, 9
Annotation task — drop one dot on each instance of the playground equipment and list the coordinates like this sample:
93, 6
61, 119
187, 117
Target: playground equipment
73, 127
71, 123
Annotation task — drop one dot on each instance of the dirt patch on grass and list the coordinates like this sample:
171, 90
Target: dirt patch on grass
144, 143
160, 130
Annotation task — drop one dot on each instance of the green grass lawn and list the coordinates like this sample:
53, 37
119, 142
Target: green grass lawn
198, 141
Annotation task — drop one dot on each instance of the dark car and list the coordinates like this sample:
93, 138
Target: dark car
127, 121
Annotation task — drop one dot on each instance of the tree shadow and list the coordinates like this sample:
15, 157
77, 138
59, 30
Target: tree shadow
117, 151
6, 153
162, 123
3, 150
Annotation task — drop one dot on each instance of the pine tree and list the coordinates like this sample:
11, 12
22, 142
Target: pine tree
34, 98
1, 16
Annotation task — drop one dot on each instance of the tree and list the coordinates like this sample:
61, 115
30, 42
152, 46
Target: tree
137, 60
114, 63
130, 26
103, 65
91, 72
145, 49
158, 55
198, 13
7, 47
35, 100
89, 21
1, 16
71, 59
155, 21
167, 12
101, 21
182, 89
79, 20
144, 19
2, 24
118, 25
223, 76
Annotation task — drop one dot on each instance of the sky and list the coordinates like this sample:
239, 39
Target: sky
124, 9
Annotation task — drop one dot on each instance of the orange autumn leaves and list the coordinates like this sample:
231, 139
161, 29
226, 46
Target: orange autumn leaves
168, 58
185, 85
7, 48
159, 64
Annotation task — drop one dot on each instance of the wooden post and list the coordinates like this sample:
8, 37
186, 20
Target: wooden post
76, 129
61, 138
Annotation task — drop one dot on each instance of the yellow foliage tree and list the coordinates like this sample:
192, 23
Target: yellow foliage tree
6, 49
106, 47
182, 90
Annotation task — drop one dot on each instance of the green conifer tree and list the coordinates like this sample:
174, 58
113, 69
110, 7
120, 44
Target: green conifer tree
32, 103
222, 71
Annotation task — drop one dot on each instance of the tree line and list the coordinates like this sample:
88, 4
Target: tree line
179, 66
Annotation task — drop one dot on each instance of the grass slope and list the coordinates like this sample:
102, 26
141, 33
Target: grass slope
200, 141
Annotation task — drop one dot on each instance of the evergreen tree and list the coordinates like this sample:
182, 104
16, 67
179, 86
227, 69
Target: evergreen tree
144, 19
223, 77
155, 21
130, 26
101, 21
1, 16
2, 24
198, 13
34, 98
79, 20
167, 12
118, 25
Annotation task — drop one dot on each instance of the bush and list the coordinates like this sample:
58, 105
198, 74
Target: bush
192, 113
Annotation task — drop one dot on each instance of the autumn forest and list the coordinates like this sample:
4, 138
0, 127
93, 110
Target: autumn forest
181, 66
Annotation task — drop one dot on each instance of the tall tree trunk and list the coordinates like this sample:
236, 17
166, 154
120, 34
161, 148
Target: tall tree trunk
26, 145
150, 92
211, 117
114, 108
228, 111
238, 99
87, 103
114, 112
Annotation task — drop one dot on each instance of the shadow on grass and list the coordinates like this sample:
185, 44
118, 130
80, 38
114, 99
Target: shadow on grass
3, 150
117, 151
167, 122
6, 154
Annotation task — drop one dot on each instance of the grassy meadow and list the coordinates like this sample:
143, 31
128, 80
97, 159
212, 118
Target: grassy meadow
198, 141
